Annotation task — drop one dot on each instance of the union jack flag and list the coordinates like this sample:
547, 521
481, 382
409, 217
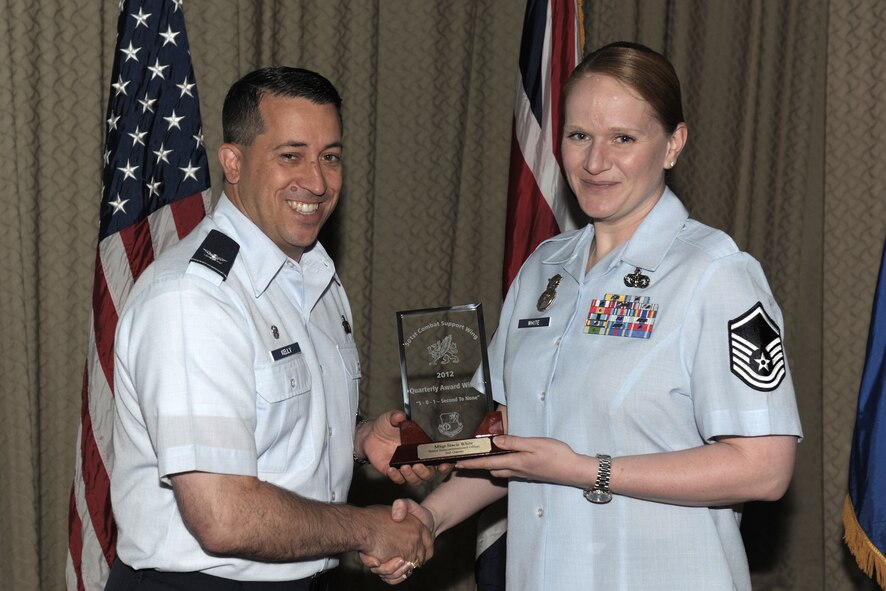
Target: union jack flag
155, 189
538, 196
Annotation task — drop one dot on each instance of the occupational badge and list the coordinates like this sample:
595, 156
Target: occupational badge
756, 355
549, 294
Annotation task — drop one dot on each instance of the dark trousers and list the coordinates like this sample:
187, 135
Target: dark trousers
126, 578
489, 571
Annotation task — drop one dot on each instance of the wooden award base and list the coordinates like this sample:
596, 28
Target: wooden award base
417, 448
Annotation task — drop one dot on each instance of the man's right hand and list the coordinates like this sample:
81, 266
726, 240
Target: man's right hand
398, 569
397, 536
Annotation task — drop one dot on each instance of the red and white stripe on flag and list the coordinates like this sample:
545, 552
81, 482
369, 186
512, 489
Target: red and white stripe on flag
155, 189
538, 196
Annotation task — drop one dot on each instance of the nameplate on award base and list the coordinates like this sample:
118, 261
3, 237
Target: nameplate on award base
447, 393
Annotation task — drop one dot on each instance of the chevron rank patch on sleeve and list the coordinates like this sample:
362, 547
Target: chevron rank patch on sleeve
756, 354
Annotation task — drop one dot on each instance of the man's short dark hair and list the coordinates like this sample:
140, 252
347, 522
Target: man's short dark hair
241, 119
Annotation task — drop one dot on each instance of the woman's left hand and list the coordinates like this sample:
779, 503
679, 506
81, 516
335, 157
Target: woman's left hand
535, 458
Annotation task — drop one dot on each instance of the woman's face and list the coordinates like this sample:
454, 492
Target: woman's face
615, 152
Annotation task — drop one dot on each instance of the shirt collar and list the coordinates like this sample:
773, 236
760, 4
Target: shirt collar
572, 253
262, 258
645, 249
655, 234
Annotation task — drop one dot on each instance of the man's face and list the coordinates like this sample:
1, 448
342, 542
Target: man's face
289, 180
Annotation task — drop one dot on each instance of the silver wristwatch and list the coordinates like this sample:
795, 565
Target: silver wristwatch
600, 493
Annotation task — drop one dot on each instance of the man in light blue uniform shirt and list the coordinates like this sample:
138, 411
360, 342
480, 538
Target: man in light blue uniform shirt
236, 375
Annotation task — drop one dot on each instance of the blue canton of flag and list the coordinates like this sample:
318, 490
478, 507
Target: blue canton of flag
154, 153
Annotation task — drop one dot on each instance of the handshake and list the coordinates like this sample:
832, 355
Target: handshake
401, 539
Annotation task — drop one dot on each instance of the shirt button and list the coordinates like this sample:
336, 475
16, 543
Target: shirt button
329, 430
557, 342
292, 383
540, 512
542, 396
333, 495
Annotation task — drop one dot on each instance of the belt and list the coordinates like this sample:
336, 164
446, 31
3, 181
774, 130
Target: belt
124, 577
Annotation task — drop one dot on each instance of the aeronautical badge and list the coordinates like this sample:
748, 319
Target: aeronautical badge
636, 279
756, 355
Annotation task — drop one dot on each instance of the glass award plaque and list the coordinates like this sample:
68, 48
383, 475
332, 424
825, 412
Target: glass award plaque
447, 394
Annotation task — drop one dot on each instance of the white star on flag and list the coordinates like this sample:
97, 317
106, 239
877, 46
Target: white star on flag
147, 104
169, 36
153, 187
190, 171
157, 69
138, 137
141, 18
162, 154
120, 85
173, 121
131, 52
186, 87
128, 172
118, 204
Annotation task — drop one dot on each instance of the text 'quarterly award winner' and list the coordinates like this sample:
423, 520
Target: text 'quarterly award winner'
447, 393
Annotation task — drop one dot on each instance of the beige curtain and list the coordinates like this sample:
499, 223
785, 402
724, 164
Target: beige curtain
784, 102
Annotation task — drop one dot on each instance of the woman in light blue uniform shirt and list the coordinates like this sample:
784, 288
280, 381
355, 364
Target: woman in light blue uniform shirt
640, 363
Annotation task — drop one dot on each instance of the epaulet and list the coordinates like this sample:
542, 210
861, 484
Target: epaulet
218, 252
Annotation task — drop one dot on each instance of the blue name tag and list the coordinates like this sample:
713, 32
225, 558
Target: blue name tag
533, 322
285, 352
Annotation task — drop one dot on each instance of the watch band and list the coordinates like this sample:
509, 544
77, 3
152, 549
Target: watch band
360, 422
600, 493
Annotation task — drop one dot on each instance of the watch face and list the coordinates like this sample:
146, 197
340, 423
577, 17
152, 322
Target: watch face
599, 496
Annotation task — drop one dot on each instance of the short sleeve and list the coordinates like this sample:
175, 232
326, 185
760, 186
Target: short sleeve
498, 345
185, 357
733, 345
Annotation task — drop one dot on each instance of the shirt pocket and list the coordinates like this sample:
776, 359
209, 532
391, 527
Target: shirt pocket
350, 359
282, 408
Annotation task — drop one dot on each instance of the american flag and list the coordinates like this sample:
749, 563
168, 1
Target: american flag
155, 189
539, 201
